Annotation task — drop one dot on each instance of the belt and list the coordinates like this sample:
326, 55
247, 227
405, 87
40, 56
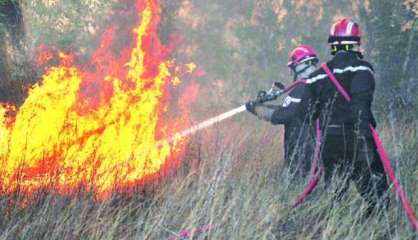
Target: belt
339, 129
340, 126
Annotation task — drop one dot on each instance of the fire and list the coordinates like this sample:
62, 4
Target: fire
100, 128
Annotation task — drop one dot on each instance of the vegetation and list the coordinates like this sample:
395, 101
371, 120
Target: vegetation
231, 178
234, 187
249, 42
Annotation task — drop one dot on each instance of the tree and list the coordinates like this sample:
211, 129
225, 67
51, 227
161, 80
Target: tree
392, 28
11, 34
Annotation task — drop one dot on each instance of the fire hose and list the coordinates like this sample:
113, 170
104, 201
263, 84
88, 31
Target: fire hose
277, 90
316, 170
385, 160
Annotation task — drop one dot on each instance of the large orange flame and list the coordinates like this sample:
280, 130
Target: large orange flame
98, 128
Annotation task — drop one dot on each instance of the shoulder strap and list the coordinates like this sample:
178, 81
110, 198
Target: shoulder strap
292, 85
381, 151
336, 83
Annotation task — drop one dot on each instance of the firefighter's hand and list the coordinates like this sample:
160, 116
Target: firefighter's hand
259, 110
251, 107
278, 86
261, 95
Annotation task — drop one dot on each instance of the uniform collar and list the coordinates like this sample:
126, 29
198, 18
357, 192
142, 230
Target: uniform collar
346, 54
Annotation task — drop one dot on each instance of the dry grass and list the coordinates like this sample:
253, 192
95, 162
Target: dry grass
230, 180
232, 184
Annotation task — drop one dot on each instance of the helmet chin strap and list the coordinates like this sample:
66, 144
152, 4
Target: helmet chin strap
304, 72
347, 48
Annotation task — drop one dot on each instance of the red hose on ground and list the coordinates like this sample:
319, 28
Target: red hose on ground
385, 160
308, 189
315, 171
388, 167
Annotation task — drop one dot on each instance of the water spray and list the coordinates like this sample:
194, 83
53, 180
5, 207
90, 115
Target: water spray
207, 123
263, 96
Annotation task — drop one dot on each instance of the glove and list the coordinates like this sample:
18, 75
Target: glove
250, 107
261, 95
278, 86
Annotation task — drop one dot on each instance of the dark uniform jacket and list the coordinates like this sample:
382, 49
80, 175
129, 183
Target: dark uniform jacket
356, 76
295, 114
348, 149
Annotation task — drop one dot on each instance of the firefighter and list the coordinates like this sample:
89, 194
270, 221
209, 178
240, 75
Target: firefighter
294, 113
349, 150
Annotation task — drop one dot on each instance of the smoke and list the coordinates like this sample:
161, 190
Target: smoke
244, 45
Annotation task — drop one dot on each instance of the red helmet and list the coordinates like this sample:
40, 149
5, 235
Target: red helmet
301, 54
344, 32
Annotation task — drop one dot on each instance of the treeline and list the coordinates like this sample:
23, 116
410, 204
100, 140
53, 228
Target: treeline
26, 25
242, 45
245, 44
12, 33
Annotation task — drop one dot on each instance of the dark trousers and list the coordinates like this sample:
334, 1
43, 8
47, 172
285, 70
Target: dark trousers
299, 145
298, 159
356, 159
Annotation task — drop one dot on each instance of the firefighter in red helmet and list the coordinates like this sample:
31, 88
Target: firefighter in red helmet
349, 149
294, 113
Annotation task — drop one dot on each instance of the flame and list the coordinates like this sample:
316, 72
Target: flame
100, 129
